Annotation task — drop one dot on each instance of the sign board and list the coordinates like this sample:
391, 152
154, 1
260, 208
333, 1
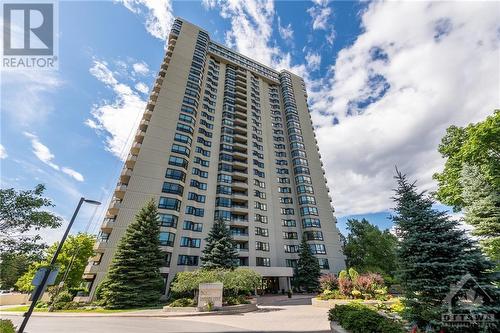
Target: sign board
37, 280
210, 293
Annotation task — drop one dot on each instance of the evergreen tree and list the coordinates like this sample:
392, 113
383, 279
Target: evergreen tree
308, 271
433, 254
482, 210
134, 278
220, 248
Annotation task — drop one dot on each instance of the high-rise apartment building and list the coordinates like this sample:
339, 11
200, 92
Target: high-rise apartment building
224, 136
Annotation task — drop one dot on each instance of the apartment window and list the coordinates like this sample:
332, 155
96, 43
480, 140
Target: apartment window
282, 171
185, 128
185, 260
190, 210
260, 218
259, 261
259, 183
286, 200
301, 169
259, 194
307, 199
303, 180
262, 231
291, 248
222, 214
284, 189
261, 246
300, 161
222, 202
178, 161
167, 259
198, 185
323, 263
258, 163
313, 235
190, 242
290, 235
196, 197
305, 189
311, 223
280, 154
193, 226
287, 211
223, 189
204, 142
283, 180
291, 263
221, 178
281, 162
200, 173
288, 223
203, 152
169, 203
200, 161
180, 150
299, 153
172, 188
308, 211
167, 238
317, 248
297, 145
168, 220
260, 205
183, 138
279, 146
259, 173
175, 174
187, 119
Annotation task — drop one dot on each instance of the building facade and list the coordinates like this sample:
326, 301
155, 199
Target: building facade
224, 136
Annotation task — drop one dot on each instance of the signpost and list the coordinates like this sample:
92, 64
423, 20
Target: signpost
210, 295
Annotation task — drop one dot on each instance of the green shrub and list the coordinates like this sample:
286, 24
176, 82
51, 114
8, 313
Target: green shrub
358, 318
61, 300
6, 326
235, 300
183, 302
41, 305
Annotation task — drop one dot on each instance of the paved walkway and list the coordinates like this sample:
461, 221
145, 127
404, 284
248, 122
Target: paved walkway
277, 314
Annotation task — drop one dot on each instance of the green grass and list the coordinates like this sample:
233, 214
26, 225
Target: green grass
24, 308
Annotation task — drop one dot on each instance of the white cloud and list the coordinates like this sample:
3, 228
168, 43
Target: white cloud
43, 153
3, 152
313, 61
320, 14
158, 15
75, 174
286, 32
119, 118
141, 87
396, 90
26, 95
141, 68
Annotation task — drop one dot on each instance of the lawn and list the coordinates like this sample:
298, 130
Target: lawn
24, 308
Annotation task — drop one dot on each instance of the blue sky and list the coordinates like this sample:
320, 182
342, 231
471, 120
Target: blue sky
385, 79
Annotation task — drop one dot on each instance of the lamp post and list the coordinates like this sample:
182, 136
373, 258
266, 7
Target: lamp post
40, 287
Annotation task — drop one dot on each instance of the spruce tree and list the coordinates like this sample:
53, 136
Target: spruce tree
482, 210
220, 249
433, 253
308, 271
134, 278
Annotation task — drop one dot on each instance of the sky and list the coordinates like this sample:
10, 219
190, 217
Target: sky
385, 80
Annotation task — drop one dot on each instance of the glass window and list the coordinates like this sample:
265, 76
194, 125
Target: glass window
190, 242
193, 226
172, 188
167, 238
169, 203
168, 220
185, 260
175, 174
259, 261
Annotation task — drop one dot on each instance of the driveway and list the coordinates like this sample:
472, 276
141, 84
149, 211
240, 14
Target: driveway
276, 314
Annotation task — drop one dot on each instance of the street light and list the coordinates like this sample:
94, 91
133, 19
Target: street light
40, 287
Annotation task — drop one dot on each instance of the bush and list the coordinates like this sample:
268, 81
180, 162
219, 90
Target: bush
358, 318
6, 326
328, 282
235, 300
183, 302
61, 300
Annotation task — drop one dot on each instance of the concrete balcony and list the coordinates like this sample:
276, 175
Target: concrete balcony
107, 224
239, 208
135, 148
240, 164
139, 136
143, 125
100, 246
130, 162
91, 268
239, 185
114, 207
164, 270
125, 175
147, 114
